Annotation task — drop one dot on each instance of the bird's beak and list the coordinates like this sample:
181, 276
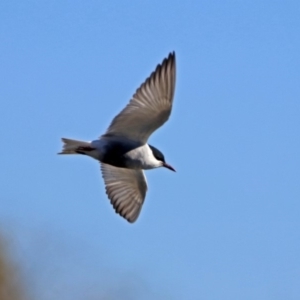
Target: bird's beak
168, 167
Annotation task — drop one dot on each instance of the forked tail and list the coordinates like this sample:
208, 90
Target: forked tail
75, 147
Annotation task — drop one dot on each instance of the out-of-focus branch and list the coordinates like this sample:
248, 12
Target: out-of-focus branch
10, 288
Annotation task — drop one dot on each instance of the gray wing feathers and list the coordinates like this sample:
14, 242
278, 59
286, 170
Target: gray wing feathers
150, 106
126, 189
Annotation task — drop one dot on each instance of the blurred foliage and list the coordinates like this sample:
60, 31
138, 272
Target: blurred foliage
61, 273
10, 284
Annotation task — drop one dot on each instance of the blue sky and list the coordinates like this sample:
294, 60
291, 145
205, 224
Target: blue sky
226, 225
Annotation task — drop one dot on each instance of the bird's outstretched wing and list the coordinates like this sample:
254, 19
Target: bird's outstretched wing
150, 106
126, 189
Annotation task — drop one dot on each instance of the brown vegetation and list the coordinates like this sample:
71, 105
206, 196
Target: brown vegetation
10, 287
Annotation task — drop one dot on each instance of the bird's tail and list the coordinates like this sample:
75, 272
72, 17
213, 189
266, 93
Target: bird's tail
75, 147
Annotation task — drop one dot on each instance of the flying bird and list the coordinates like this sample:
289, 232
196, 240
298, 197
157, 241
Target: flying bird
123, 150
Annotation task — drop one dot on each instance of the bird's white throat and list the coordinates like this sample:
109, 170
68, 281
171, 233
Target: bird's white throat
142, 158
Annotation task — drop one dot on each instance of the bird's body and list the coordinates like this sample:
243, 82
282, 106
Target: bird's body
123, 150
120, 152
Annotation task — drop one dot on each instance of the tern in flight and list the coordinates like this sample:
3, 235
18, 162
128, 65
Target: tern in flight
123, 150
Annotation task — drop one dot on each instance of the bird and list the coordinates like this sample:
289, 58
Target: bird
123, 150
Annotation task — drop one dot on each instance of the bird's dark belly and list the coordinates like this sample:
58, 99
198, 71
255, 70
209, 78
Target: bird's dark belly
117, 161
115, 154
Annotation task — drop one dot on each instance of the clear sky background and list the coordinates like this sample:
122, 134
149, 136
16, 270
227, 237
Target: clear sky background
226, 225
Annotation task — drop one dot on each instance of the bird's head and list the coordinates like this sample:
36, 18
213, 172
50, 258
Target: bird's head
160, 157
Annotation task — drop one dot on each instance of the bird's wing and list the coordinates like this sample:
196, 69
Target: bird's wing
150, 106
126, 189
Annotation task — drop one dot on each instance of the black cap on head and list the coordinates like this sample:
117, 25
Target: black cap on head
157, 154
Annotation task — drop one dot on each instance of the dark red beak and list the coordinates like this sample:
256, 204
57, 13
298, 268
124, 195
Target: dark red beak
169, 167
